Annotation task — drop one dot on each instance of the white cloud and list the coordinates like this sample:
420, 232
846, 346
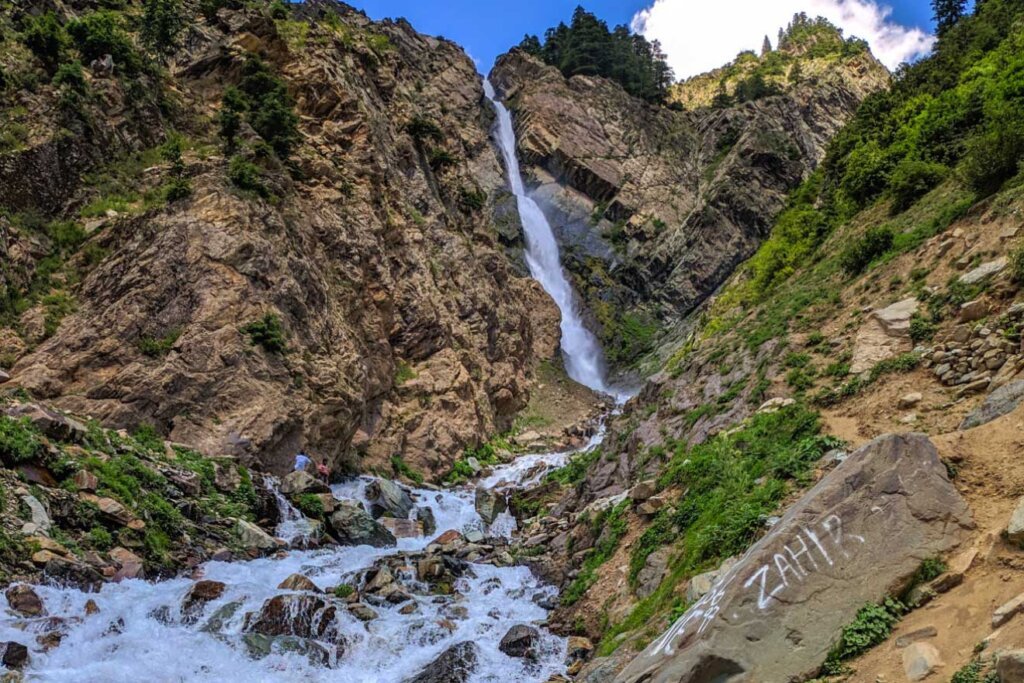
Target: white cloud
698, 35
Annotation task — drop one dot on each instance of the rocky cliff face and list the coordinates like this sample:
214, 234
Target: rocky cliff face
382, 247
657, 206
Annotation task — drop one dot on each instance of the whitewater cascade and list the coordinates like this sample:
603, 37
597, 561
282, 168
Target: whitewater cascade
139, 633
584, 360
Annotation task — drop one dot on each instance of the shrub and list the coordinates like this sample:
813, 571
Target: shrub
270, 106
911, 180
229, 118
867, 173
440, 159
310, 505
162, 23
19, 441
995, 155
46, 38
70, 74
865, 249
401, 468
1017, 264
101, 33
247, 176
472, 200
921, 330
100, 539
343, 591
154, 347
148, 437
268, 333
179, 186
422, 128
872, 625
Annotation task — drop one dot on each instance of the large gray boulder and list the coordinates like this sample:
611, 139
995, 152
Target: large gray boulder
388, 499
489, 504
1002, 401
857, 536
300, 481
353, 526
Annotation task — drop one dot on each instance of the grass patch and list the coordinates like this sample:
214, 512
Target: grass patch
612, 525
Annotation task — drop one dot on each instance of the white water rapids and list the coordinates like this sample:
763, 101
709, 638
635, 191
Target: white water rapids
584, 360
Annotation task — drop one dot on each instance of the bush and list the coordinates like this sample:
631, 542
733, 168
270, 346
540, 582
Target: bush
310, 505
162, 23
270, 106
232, 107
994, 156
872, 625
154, 347
247, 176
100, 539
421, 128
101, 33
867, 173
441, 159
46, 38
268, 333
71, 75
1017, 264
19, 441
343, 591
921, 330
865, 249
400, 468
911, 180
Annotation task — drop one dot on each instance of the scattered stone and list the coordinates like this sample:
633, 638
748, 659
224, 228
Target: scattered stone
489, 504
353, 526
895, 319
1008, 611
1002, 401
984, 271
300, 481
197, 597
774, 405
920, 660
388, 498
91, 608
973, 310
519, 641
362, 612
1010, 666
1015, 529
475, 536
653, 572
86, 481
450, 536
401, 528
13, 655
298, 582
454, 665
974, 387
38, 513
24, 600
643, 491
130, 565
253, 537
909, 401
915, 636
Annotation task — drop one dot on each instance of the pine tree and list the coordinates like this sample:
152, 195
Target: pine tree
766, 47
162, 23
948, 13
230, 117
531, 45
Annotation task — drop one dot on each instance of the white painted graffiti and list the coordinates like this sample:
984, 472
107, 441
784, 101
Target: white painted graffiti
807, 552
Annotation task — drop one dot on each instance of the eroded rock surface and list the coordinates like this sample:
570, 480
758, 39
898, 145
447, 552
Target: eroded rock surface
774, 615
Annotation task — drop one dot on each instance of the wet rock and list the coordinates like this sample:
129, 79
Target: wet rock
450, 536
920, 660
294, 614
1002, 401
388, 498
24, 600
253, 537
519, 641
300, 482
401, 528
13, 655
298, 582
259, 645
362, 612
852, 539
352, 526
221, 617
129, 565
426, 517
489, 504
91, 608
1010, 666
197, 597
454, 665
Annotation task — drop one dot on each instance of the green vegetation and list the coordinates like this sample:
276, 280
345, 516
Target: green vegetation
872, 625
587, 47
46, 38
576, 470
734, 482
611, 524
179, 186
154, 347
978, 670
103, 33
162, 24
400, 468
865, 249
268, 333
310, 505
269, 107
403, 373
20, 442
343, 591
247, 176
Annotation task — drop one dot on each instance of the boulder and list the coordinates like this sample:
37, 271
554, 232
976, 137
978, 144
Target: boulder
87, 481
293, 614
857, 536
226, 477
362, 612
23, 599
1002, 401
298, 582
388, 498
489, 504
920, 660
973, 310
643, 491
253, 537
454, 665
195, 600
895, 319
402, 528
655, 567
910, 400
259, 646
353, 526
1010, 666
426, 517
1008, 610
13, 655
129, 565
40, 518
519, 641
1015, 529
300, 482
53, 424
984, 271
702, 584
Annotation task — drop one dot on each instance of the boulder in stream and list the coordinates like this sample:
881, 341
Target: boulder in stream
195, 600
24, 600
454, 665
293, 614
13, 655
489, 504
353, 526
299, 482
859, 535
519, 641
388, 499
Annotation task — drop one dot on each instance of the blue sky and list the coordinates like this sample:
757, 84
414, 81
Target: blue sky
486, 28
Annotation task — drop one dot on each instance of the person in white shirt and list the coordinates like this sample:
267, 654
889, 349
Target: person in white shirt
302, 461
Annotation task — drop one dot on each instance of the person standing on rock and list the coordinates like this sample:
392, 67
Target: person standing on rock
302, 462
323, 470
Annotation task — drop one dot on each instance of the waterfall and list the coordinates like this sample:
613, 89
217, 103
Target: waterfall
584, 360
293, 526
